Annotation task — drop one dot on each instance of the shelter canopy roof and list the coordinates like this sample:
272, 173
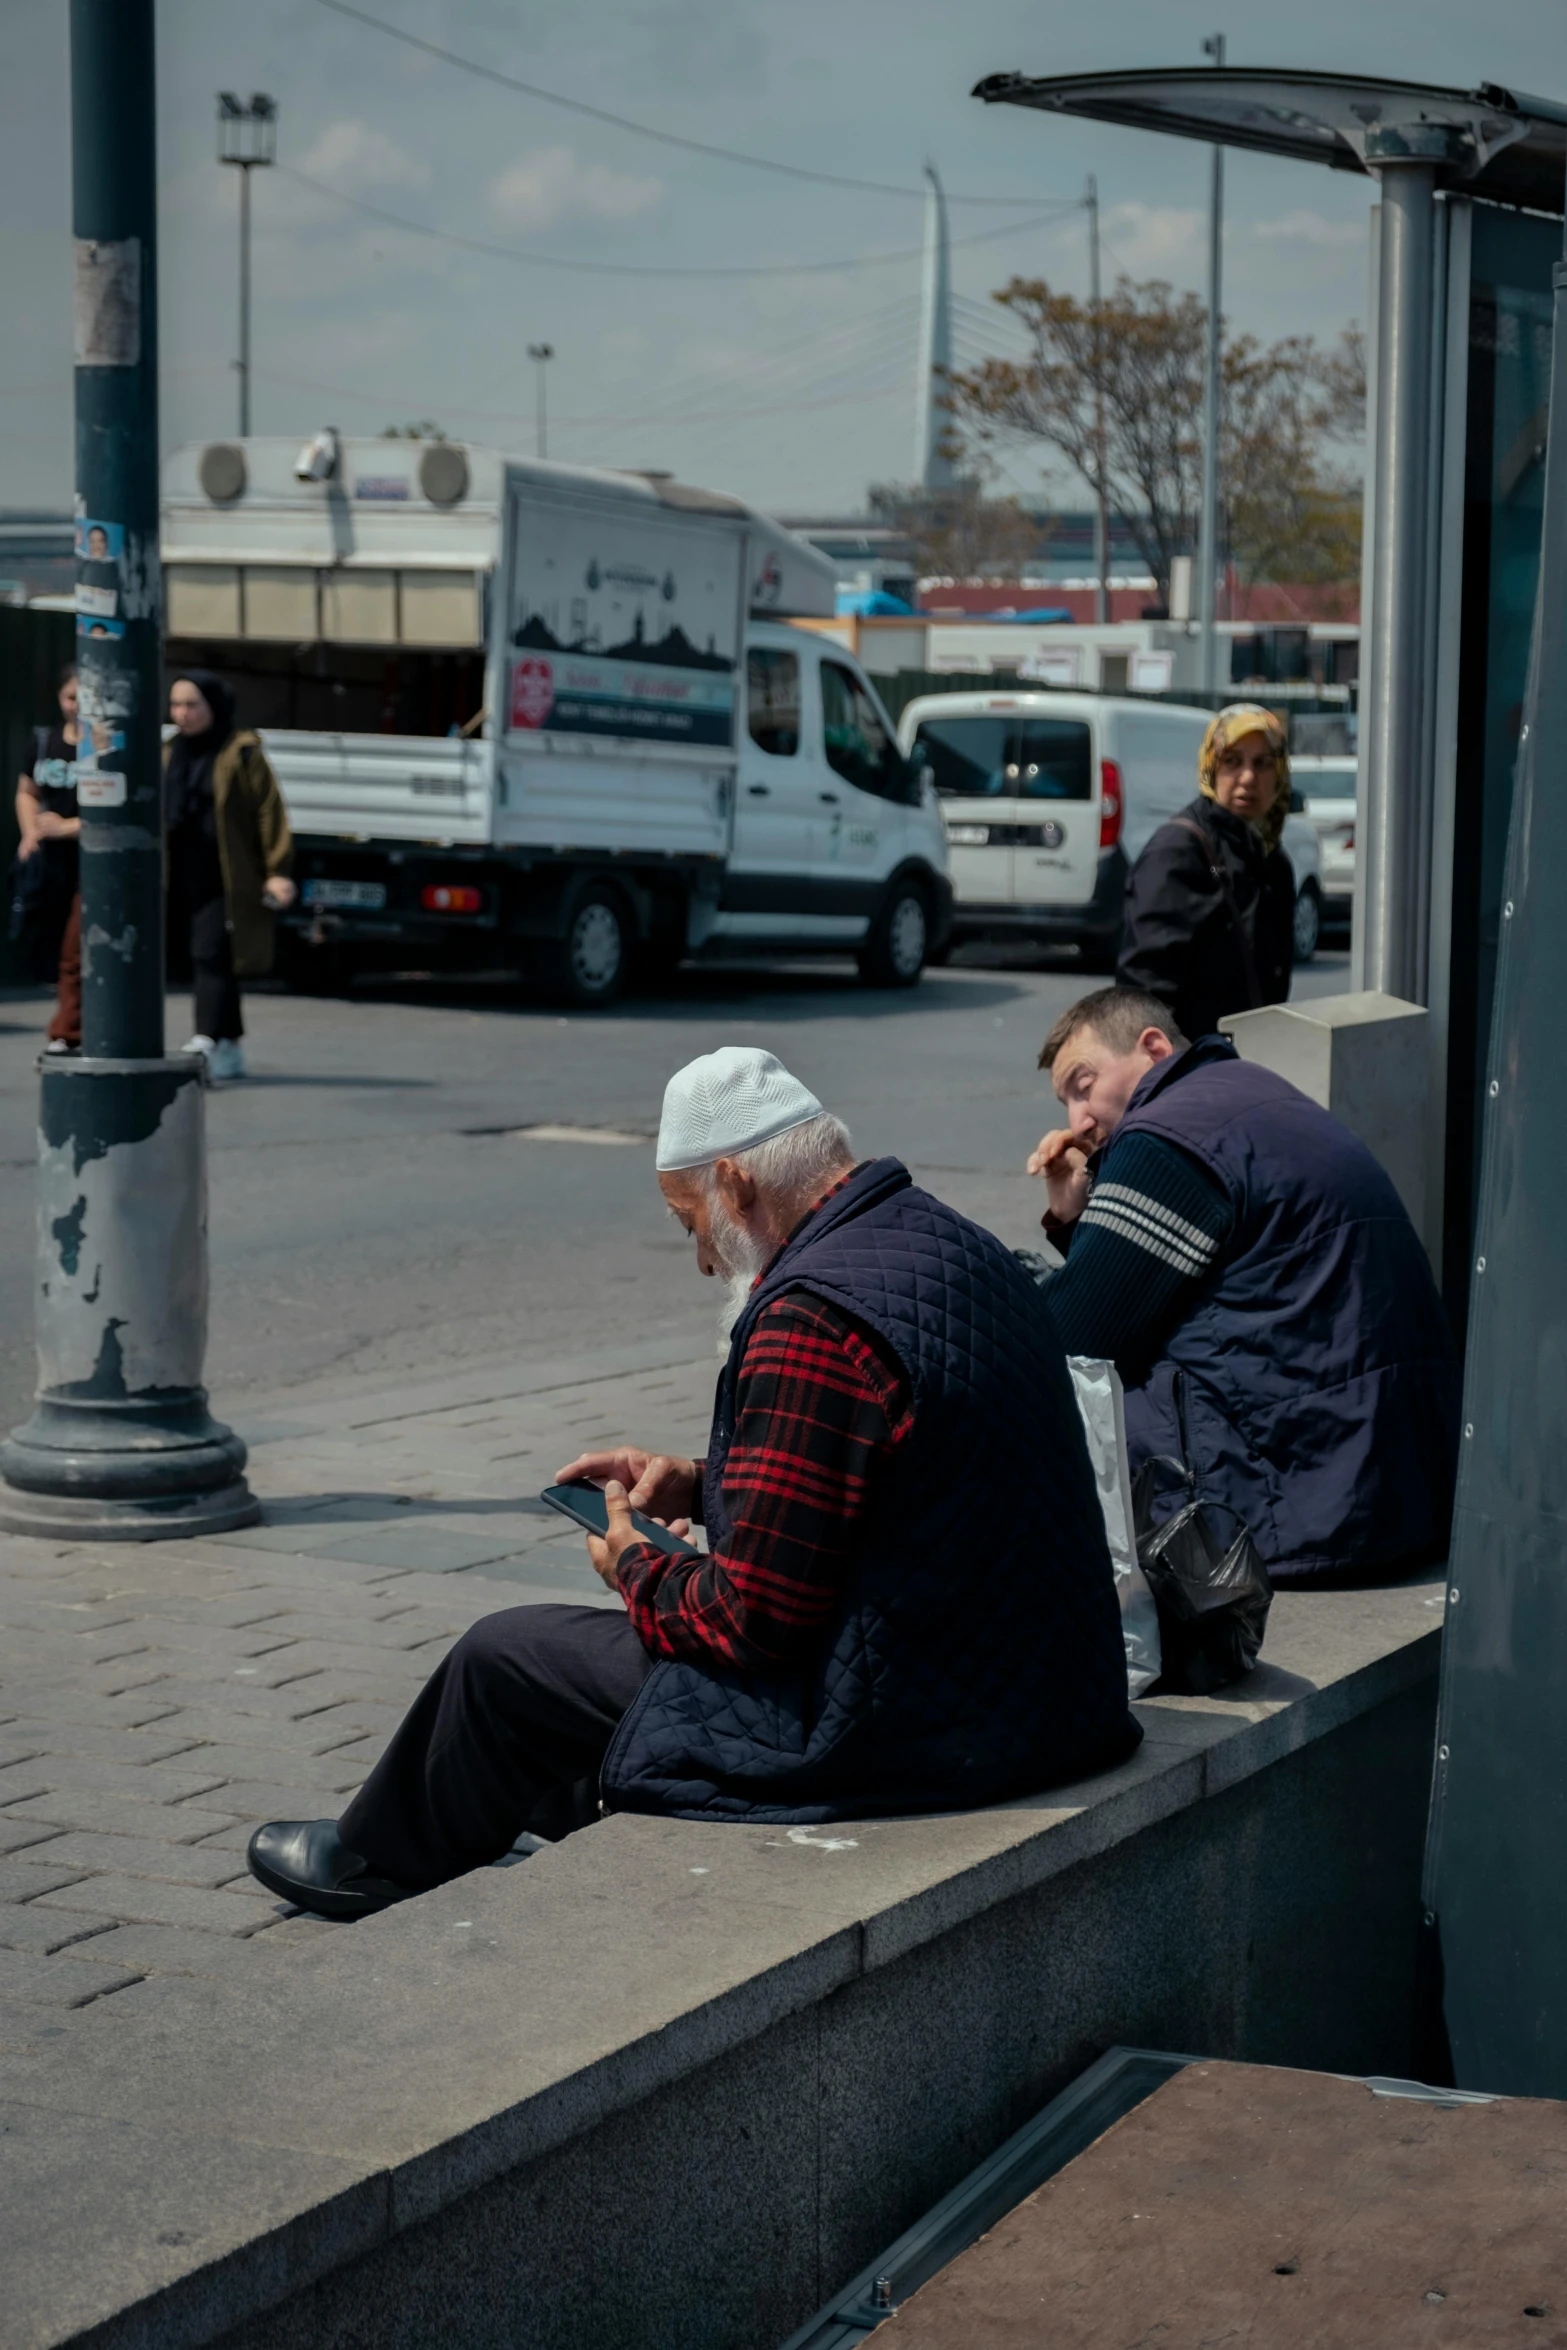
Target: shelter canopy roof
1489, 142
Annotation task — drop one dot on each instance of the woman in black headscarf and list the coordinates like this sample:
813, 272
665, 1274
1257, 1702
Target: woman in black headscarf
228, 854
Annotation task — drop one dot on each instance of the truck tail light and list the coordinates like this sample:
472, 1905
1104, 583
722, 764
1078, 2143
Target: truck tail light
447, 897
1109, 804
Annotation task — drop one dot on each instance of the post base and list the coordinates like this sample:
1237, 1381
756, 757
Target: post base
90, 1517
121, 1446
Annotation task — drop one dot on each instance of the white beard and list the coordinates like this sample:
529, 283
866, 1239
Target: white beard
742, 1259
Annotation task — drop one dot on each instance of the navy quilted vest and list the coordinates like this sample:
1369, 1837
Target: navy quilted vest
977, 1651
1321, 1383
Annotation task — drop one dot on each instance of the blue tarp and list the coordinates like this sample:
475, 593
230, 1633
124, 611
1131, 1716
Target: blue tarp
871, 604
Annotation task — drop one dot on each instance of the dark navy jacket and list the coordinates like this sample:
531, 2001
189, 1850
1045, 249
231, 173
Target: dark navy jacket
977, 1650
1321, 1382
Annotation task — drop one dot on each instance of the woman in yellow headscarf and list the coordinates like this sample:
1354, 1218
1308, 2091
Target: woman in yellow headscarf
1210, 905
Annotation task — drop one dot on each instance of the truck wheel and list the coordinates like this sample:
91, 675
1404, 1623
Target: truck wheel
587, 967
1308, 922
894, 953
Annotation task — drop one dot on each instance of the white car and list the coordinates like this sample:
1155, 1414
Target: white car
1325, 790
1050, 798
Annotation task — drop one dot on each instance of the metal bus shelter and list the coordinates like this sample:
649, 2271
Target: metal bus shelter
1471, 186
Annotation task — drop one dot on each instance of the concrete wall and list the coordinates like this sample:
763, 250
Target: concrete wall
1276, 1923
669, 2085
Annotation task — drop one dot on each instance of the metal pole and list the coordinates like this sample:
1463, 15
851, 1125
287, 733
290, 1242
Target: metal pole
541, 354
1101, 504
244, 301
1208, 533
1392, 825
121, 1444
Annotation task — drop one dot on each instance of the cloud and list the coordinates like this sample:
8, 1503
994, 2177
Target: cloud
1303, 227
551, 185
1154, 240
352, 155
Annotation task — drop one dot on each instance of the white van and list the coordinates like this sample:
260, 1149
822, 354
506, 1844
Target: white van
1050, 799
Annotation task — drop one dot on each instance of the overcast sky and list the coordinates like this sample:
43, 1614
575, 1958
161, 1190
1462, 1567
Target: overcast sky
792, 390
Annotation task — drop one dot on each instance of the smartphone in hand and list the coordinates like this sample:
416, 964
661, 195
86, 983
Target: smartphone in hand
587, 1505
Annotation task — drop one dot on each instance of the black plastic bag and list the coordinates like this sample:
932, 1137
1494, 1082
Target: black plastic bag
1207, 1577
29, 891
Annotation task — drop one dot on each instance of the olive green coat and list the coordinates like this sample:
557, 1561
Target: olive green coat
254, 842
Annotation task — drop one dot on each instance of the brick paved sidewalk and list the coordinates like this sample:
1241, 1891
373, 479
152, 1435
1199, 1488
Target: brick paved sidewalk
158, 1699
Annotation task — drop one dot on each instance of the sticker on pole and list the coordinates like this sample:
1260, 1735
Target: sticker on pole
108, 302
98, 790
532, 693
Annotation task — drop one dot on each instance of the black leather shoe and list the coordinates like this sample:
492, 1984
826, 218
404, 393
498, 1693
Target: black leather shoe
307, 1862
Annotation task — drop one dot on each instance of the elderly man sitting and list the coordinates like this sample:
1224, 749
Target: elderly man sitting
906, 1603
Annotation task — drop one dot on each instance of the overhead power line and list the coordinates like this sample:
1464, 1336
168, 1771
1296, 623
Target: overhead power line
643, 130
514, 253
582, 423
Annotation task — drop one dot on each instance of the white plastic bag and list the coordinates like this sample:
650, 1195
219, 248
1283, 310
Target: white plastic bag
1098, 1387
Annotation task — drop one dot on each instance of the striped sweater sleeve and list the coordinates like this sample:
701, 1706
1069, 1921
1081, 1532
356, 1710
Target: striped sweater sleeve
1153, 1229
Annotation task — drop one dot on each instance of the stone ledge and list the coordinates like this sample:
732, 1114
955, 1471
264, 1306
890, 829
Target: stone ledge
407, 2063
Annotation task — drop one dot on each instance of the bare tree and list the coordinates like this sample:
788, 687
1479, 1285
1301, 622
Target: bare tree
1141, 359
1289, 513
1142, 355
959, 533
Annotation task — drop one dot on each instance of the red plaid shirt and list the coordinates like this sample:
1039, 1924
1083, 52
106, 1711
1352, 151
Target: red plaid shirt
820, 1410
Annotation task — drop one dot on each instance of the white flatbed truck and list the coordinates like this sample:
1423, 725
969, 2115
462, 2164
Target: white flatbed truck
529, 715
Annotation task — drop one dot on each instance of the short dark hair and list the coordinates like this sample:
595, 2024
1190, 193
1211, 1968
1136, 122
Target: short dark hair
1117, 1016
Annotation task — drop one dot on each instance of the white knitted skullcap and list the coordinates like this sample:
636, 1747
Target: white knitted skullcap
726, 1103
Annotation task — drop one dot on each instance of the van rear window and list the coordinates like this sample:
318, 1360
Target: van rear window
995, 758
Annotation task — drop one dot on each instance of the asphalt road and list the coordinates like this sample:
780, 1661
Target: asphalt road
375, 1213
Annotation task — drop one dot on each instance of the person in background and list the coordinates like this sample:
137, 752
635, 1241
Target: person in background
47, 856
1254, 1276
1209, 925
228, 853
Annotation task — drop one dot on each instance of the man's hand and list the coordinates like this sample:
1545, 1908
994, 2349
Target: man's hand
1063, 1162
605, 1551
47, 825
660, 1485
278, 890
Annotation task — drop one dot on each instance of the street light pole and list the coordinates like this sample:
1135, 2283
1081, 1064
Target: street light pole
1101, 506
247, 138
121, 1444
540, 354
1208, 535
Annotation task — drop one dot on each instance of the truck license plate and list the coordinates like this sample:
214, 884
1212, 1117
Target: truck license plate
367, 897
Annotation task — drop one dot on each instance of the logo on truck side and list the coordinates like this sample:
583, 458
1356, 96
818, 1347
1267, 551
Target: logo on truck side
532, 693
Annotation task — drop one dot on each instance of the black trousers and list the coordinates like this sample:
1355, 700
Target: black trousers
508, 1733
199, 946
